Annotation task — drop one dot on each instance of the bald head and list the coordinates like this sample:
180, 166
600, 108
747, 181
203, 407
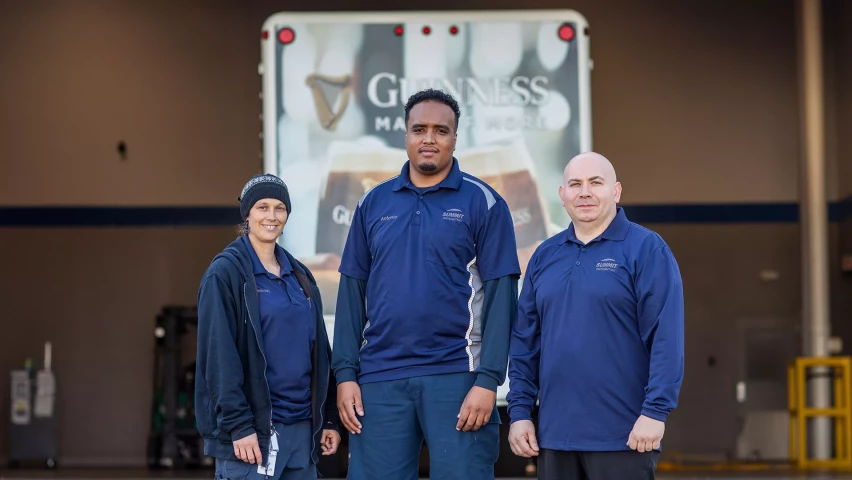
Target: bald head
590, 190
589, 162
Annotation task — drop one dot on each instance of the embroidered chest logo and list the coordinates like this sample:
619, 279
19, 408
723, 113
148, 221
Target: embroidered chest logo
607, 264
262, 290
387, 217
453, 214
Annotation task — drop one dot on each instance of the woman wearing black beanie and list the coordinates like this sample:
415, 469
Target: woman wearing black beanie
263, 365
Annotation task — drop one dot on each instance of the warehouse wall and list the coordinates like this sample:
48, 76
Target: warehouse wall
694, 104
176, 81
94, 293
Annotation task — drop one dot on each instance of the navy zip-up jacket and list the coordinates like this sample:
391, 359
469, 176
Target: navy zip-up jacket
231, 390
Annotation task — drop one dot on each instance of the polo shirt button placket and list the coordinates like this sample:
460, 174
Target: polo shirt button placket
416, 220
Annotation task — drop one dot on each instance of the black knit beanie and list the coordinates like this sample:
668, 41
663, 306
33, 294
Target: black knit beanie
263, 186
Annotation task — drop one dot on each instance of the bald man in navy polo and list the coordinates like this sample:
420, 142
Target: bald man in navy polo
598, 340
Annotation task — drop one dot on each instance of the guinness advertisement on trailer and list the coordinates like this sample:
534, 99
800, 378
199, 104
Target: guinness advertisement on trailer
334, 91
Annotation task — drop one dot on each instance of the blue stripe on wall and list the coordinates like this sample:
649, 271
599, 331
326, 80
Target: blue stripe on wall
118, 216
839, 211
227, 216
714, 213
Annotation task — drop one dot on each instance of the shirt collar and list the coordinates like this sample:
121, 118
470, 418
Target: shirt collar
616, 231
257, 266
453, 180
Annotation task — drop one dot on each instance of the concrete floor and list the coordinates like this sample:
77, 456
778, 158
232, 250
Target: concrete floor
142, 474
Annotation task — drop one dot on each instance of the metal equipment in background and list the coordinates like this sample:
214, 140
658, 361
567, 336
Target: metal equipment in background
174, 440
33, 435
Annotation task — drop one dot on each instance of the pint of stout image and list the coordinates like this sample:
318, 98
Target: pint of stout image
352, 169
508, 168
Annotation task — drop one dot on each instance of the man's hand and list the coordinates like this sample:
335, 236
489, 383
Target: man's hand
330, 441
522, 439
646, 435
248, 450
476, 409
349, 402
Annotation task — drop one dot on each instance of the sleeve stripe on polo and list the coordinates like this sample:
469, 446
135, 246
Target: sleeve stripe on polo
374, 187
474, 310
488, 195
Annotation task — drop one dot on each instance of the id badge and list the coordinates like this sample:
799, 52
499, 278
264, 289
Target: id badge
269, 470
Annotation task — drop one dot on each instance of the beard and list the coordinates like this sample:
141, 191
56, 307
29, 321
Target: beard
426, 167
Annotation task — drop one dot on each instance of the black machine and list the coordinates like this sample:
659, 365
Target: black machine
174, 440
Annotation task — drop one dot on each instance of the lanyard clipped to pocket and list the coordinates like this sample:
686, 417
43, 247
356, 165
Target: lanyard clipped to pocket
269, 469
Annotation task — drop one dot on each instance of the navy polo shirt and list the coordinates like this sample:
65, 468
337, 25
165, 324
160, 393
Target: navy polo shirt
424, 254
289, 328
599, 337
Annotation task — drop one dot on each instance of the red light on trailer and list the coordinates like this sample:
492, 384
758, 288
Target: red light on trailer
265, 34
286, 35
397, 30
566, 32
454, 30
427, 30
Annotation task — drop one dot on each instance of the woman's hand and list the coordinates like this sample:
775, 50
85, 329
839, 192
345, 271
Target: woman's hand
248, 450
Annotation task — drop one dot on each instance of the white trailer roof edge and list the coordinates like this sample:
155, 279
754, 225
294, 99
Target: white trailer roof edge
270, 145
565, 15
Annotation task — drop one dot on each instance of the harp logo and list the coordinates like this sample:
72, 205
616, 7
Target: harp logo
331, 96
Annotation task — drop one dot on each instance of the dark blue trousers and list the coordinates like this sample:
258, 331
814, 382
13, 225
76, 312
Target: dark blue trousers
400, 414
621, 465
293, 463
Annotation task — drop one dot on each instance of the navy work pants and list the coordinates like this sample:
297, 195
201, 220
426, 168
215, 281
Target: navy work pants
293, 460
400, 414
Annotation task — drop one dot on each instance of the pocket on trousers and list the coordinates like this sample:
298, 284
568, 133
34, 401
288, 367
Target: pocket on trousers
486, 444
233, 469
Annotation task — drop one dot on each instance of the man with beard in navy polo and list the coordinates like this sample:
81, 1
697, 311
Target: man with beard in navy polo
598, 339
428, 291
